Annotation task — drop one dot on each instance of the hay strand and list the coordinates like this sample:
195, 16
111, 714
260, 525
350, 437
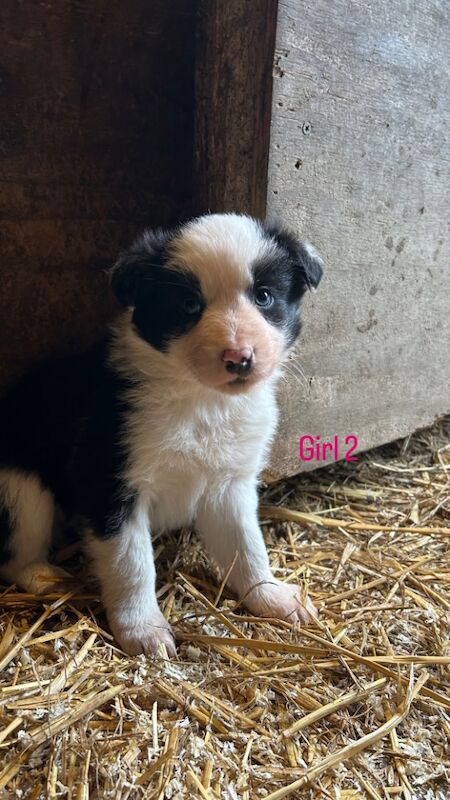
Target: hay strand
254, 708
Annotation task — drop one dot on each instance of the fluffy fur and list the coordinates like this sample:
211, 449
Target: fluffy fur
166, 423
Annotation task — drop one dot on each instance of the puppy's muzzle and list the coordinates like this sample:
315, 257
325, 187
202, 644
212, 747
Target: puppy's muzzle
239, 362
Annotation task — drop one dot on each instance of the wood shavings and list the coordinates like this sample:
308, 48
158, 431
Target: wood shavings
357, 706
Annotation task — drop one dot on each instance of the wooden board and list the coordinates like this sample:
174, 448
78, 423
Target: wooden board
359, 164
235, 44
95, 143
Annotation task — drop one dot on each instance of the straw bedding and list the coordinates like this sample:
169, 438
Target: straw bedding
357, 706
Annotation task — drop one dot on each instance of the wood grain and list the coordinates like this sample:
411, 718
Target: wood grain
235, 44
95, 143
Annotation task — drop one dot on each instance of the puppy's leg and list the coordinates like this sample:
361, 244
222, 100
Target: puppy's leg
125, 566
228, 523
26, 521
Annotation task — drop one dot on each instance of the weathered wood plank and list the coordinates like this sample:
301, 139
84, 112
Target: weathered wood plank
359, 163
235, 44
95, 142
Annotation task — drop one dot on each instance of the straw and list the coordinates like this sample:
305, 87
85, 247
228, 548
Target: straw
354, 706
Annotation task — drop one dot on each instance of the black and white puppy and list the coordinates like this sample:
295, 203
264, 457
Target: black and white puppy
165, 424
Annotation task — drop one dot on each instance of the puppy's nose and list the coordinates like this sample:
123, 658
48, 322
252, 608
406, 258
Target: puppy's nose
238, 362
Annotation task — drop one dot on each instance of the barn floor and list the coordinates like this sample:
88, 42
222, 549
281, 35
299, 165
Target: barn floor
356, 706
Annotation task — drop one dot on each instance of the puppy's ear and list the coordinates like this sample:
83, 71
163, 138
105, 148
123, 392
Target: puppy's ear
304, 255
135, 265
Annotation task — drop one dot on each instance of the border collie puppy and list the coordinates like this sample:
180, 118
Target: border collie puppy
165, 424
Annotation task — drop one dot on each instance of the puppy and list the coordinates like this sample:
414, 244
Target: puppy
165, 424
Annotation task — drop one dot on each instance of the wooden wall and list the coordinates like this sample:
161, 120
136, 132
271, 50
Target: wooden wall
95, 142
360, 165
233, 104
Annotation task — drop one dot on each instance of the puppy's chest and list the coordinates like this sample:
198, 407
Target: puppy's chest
179, 455
175, 459
207, 447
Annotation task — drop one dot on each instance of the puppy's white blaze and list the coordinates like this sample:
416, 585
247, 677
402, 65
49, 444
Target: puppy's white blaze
221, 249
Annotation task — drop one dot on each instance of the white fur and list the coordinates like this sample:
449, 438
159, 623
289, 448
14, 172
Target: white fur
125, 567
195, 457
196, 452
220, 249
32, 510
192, 452
227, 520
180, 428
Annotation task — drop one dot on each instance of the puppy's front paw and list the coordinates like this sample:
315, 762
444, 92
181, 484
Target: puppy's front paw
281, 600
142, 634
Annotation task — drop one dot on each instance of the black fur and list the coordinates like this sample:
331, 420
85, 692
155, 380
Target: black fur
287, 276
278, 276
134, 264
308, 270
64, 423
160, 295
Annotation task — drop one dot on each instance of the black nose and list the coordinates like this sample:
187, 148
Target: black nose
242, 368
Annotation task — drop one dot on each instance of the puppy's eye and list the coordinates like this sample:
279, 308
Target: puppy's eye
190, 304
263, 298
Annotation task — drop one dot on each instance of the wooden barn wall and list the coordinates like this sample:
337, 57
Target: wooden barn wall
95, 142
359, 164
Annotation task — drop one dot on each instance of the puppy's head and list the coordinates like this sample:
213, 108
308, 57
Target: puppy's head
219, 296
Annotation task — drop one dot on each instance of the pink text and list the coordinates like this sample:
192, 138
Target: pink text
312, 448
